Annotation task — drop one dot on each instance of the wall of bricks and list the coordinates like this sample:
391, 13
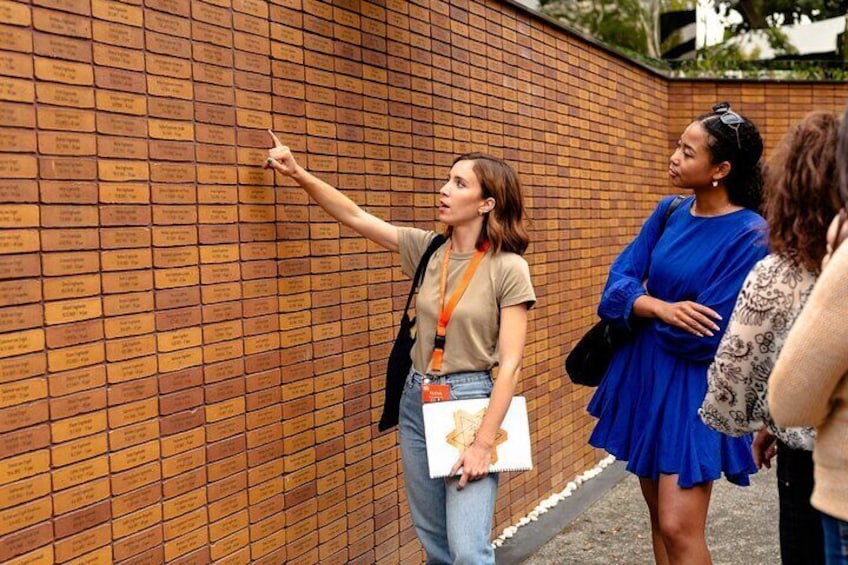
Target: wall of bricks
191, 355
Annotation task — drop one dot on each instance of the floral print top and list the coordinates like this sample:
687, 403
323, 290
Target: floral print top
770, 300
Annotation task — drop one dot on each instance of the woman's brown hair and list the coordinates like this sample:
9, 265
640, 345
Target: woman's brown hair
801, 189
503, 227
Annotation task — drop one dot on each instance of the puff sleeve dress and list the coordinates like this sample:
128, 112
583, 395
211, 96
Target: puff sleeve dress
647, 404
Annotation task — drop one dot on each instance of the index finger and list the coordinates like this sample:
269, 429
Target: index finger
277, 142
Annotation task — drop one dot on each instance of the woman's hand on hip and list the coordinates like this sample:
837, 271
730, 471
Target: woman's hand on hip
689, 316
474, 462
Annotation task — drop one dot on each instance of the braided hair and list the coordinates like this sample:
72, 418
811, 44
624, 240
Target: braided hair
739, 144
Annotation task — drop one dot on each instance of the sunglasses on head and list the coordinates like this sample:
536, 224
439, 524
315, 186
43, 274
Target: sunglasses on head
729, 118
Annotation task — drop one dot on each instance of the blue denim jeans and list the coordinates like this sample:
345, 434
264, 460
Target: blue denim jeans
835, 540
454, 526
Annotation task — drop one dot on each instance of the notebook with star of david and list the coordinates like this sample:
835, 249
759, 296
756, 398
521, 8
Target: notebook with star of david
449, 428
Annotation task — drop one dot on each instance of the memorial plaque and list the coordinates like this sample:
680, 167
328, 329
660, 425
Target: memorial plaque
177, 297
170, 24
24, 541
66, 119
174, 236
132, 523
134, 456
145, 547
19, 292
168, 66
172, 172
131, 370
19, 492
112, 79
68, 143
126, 193
215, 114
217, 234
61, 23
201, 32
135, 478
119, 13
171, 215
167, 44
67, 192
125, 259
124, 215
115, 170
18, 166
22, 466
72, 310
62, 47
169, 257
117, 34
19, 343
218, 214
216, 93
180, 359
23, 415
18, 190
83, 542
169, 87
181, 478
136, 500
127, 281
67, 72
66, 168
178, 277
129, 325
71, 287
174, 193
17, 140
78, 450
116, 124
131, 347
171, 150
214, 134
69, 239
74, 334
69, 263
78, 380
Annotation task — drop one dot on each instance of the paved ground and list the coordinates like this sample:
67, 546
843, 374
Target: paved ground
741, 529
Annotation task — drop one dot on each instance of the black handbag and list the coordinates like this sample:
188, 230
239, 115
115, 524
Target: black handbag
400, 359
589, 360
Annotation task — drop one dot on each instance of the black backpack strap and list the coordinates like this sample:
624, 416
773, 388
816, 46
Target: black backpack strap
675, 204
422, 267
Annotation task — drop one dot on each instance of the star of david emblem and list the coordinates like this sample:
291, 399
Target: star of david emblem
465, 429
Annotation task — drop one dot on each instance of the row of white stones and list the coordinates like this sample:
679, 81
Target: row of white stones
554, 499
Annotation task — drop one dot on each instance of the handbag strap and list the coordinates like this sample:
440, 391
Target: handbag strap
422, 268
675, 204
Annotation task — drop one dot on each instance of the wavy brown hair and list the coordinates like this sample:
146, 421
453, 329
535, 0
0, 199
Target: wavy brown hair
503, 227
801, 189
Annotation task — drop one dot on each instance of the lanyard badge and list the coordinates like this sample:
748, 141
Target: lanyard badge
446, 310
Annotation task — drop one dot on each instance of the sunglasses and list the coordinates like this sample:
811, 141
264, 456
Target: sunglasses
729, 118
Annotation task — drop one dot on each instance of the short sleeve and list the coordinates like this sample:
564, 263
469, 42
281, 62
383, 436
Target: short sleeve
516, 287
412, 242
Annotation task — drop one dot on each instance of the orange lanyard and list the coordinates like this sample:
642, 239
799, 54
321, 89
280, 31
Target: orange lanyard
447, 310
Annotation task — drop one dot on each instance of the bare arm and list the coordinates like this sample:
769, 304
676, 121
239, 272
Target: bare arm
475, 461
331, 199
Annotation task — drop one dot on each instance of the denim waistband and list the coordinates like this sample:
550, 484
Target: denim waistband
453, 378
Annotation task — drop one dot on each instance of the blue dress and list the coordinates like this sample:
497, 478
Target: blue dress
647, 404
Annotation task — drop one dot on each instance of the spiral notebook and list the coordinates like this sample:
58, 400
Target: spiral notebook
449, 428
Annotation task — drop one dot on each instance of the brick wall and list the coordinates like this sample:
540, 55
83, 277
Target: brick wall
191, 356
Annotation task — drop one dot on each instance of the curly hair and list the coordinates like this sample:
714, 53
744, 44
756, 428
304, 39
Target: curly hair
740, 145
801, 189
503, 226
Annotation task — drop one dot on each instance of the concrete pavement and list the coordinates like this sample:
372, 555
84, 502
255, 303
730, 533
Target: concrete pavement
606, 522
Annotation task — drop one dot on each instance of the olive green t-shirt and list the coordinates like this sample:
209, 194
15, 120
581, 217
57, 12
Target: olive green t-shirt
501, 280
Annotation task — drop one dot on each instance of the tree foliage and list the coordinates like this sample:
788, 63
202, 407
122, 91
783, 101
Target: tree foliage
763, 14
630, 24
